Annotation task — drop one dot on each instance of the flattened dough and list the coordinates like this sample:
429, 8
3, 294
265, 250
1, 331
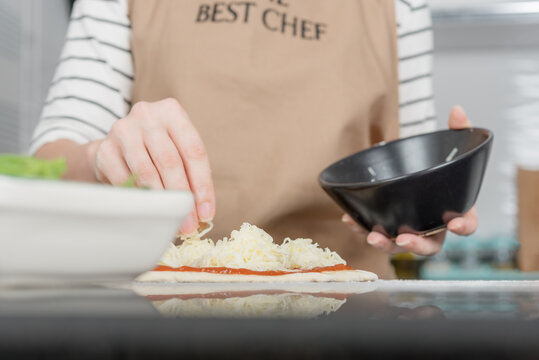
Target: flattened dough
192, 277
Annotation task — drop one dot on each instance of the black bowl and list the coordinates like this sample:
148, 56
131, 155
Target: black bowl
413, 185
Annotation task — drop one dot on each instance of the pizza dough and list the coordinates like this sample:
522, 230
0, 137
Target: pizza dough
327, 276
253, 249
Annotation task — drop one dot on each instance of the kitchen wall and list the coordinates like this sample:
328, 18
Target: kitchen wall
486, 58
31, 37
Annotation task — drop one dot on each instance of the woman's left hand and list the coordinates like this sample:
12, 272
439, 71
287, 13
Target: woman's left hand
420, 245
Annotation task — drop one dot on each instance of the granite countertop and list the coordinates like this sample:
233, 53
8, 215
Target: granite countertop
419, 319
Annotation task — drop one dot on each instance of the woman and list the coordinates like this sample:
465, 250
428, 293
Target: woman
270, 91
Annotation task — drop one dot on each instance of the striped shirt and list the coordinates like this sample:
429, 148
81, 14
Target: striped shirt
92, 85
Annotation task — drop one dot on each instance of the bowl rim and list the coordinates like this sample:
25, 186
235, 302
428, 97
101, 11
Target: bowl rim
363, 184
79, 197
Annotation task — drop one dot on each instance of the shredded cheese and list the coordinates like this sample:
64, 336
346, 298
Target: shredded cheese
250, 248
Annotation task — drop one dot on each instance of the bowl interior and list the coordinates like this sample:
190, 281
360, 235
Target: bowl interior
405, 156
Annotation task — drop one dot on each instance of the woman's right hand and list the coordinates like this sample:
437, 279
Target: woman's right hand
158, 144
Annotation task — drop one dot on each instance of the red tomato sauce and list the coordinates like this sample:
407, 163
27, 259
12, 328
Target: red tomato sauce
231, 271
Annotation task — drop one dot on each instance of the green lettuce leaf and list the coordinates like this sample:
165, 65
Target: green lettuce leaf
31, 167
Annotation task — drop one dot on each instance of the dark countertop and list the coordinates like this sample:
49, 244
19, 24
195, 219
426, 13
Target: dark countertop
386, 319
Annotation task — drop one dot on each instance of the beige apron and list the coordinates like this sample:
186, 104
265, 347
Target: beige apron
278, 90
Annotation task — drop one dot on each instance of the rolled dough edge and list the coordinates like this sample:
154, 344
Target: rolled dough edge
192, 277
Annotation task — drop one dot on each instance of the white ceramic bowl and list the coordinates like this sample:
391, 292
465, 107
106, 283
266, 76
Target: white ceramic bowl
60, 229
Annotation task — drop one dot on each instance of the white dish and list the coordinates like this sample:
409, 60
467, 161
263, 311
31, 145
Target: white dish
60, 229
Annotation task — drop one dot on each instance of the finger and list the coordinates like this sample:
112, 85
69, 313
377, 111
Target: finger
194, 156
166, 159
169, 164
381, 242
190, 224
110, 165
458, 118
139, 162
421, 245
347, 219
465, 225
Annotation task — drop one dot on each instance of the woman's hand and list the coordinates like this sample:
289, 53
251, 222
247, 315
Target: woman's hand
420, 245
157, 143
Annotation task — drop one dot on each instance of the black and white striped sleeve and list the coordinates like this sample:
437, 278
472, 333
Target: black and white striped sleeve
415, 47
92, 84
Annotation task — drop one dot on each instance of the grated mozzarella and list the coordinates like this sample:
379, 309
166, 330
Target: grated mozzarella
250, 248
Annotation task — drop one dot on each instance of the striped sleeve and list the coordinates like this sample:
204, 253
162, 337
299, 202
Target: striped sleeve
92, 84
415, 47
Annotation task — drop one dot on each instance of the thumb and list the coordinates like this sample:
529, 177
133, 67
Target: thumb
458, 118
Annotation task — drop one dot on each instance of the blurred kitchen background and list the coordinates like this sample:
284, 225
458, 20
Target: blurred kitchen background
486, 59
